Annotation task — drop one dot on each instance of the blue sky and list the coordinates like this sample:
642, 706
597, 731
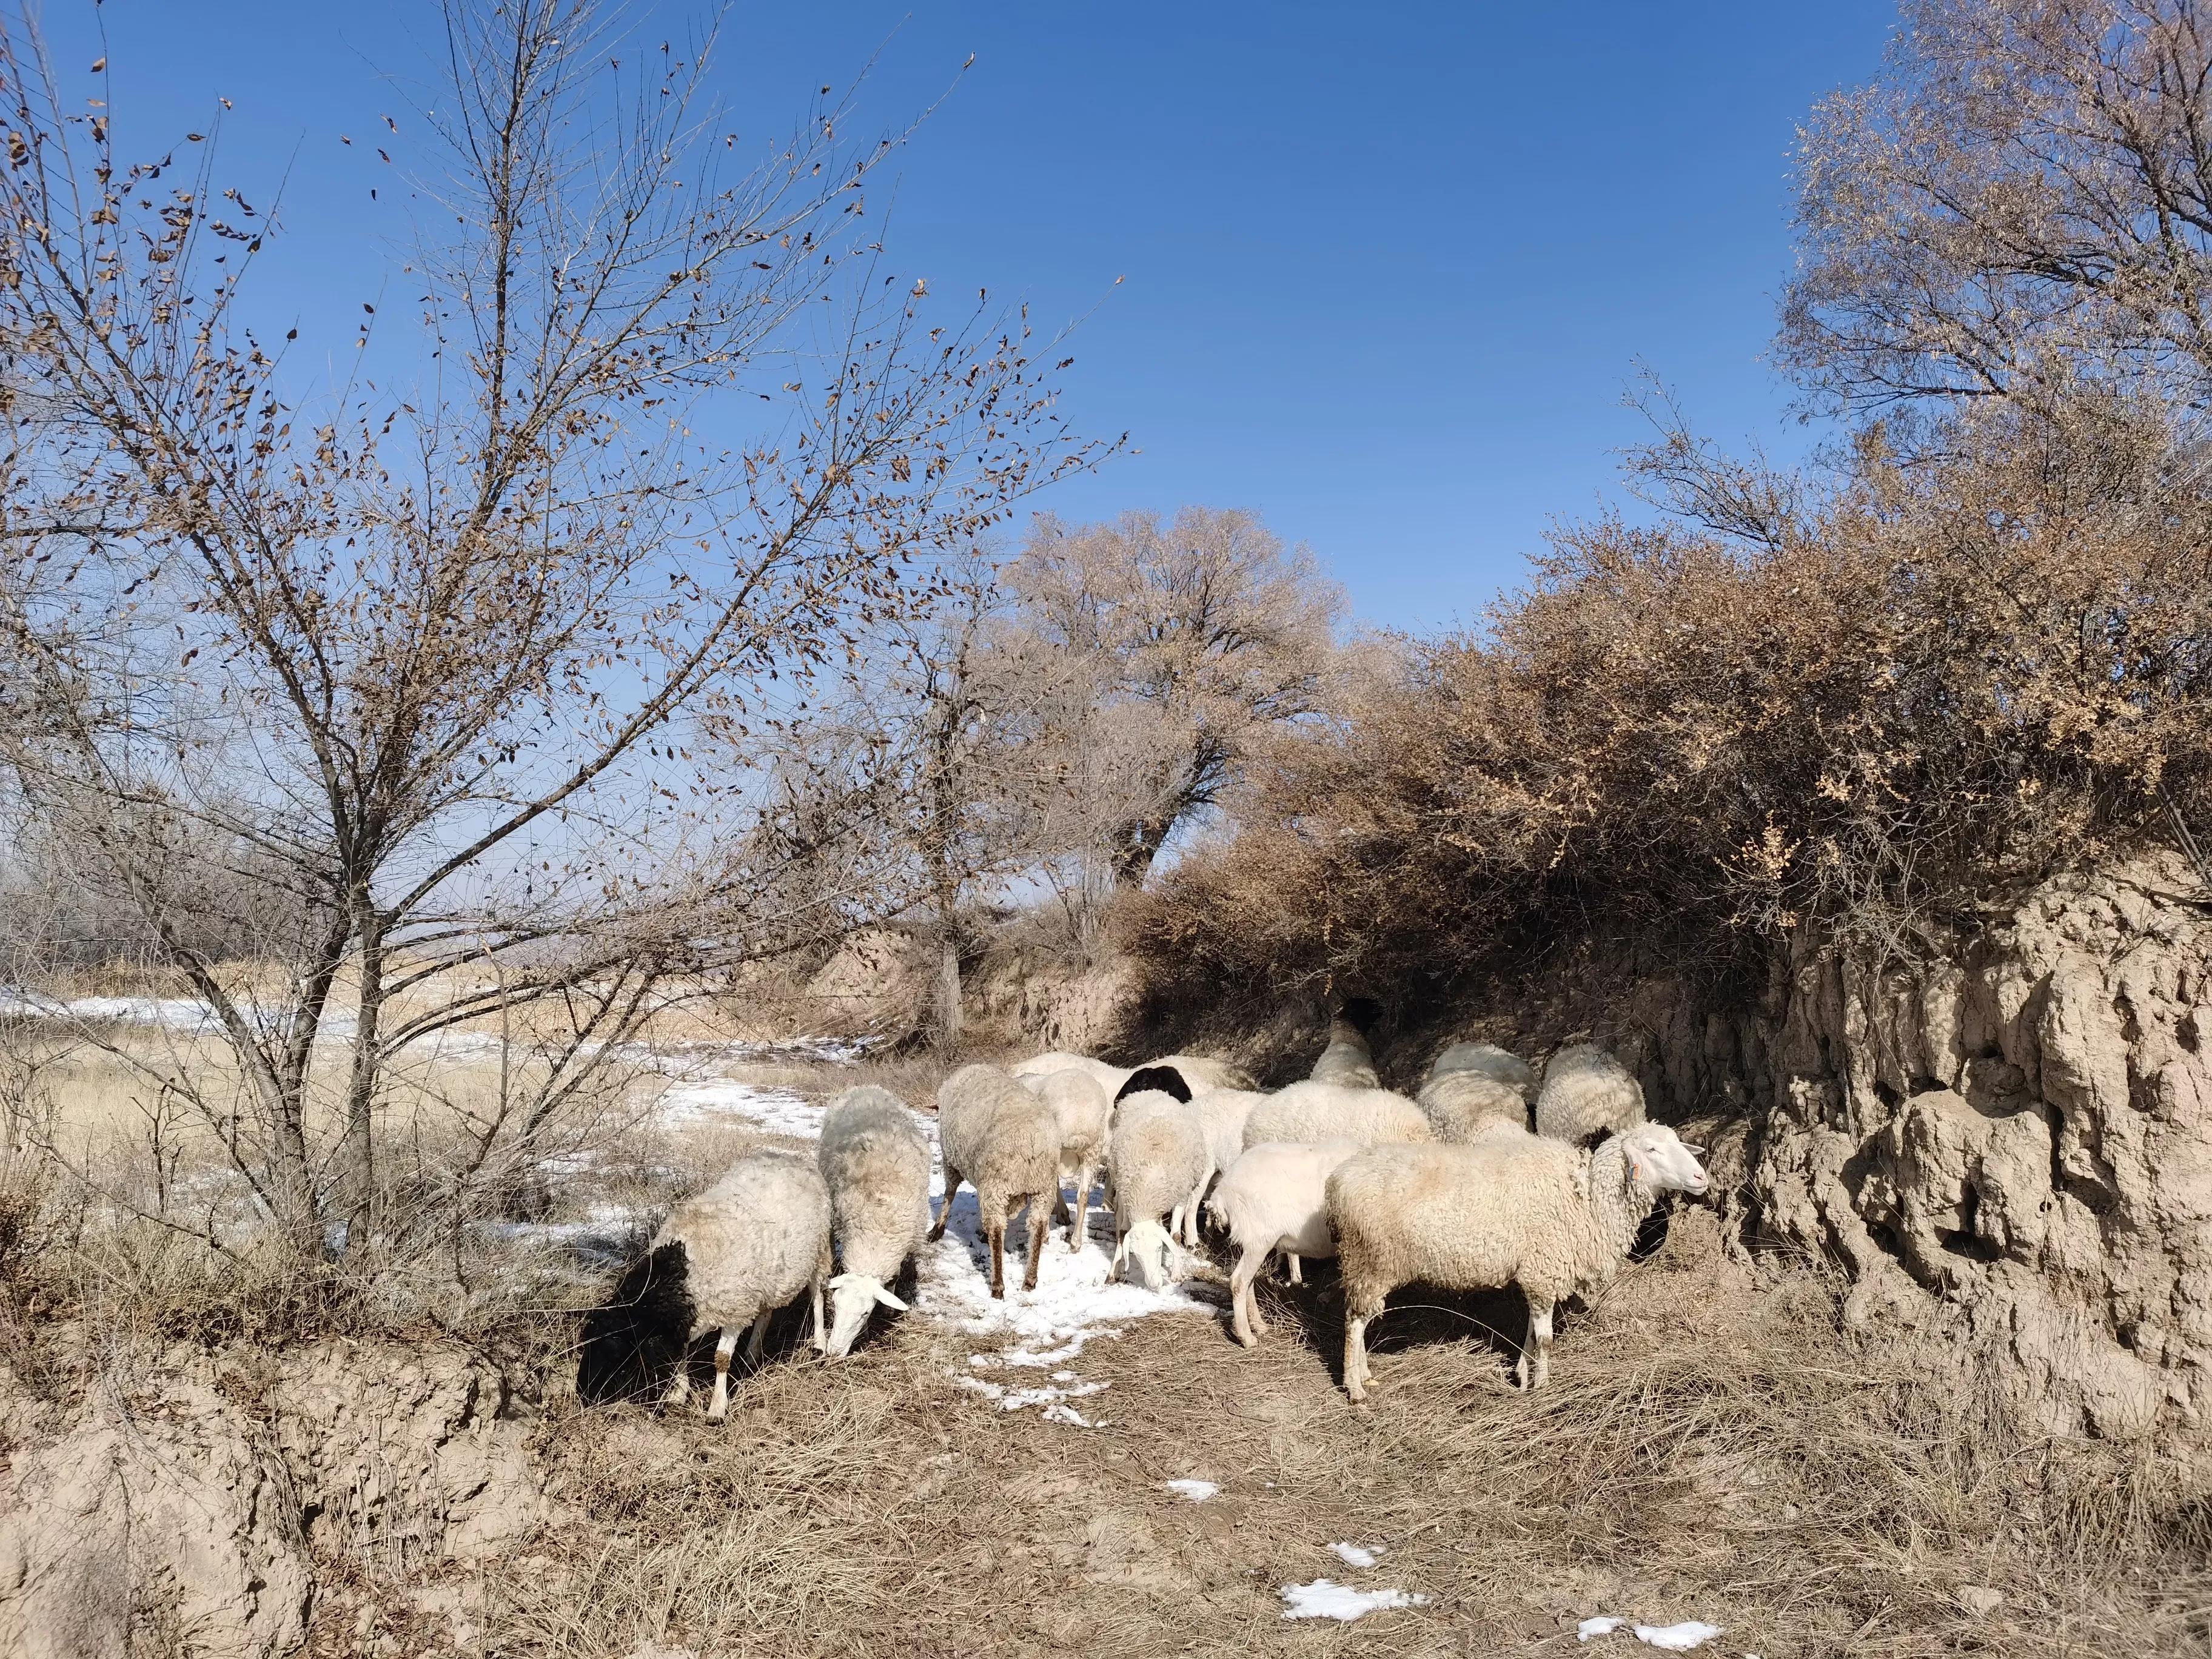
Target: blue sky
1387, 268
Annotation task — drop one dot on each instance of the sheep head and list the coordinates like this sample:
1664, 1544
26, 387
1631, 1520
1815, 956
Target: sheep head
1661, 1161
1151, 1251
852, 1298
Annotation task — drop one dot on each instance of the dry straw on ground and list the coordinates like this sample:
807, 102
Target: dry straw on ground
1713, 1447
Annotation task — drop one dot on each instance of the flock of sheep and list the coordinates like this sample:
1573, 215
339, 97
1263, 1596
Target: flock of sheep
1453, 1188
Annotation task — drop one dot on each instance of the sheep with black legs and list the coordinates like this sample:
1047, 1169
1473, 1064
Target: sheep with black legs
1587, 1095
1002, 1140
1275, 1197
876, 1166
1157, 1161
1083, 1111
728, 1259
1508, 1209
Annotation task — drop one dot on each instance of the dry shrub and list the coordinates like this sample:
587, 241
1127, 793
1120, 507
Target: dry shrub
1861, 717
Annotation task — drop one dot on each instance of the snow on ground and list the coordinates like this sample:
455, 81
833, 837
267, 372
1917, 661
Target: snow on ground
1326, 1599
779, 1111
1355, 1555
1197, 1490
1674, 1639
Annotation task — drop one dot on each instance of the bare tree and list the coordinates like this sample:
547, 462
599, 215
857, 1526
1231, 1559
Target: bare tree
2020, 207
1206, 633
432, 648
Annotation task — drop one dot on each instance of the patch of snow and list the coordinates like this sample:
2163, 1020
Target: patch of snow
1197, 1490
1058, 1413
777, 1110
1678, 1638
1353, 1555
1077, 1300
1674, 1639
1326, 1599
1014, 1400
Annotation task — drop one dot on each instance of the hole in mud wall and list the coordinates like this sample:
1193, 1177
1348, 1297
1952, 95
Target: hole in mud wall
1967, 1241
1886, 1095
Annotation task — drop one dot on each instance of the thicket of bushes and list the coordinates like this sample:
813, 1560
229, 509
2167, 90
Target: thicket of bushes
1864, 712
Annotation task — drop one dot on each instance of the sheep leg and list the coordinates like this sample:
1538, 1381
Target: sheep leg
821, 1327
1291, 1259
719, 1407
1175, 1221
1355, 1356
943, 1215
1081, 1230
753, 1343
1038, 1223
994, 1229
1244, 1313
679, 1386
1539, 1342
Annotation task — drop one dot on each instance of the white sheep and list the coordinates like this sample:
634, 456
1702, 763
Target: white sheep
1083, 1111
1314, 1112
877, 1165
1587, 1095
1221, 1115
752, 1243
1109, 1077
1004, 1141
1463, 1105
1346, 1059
1507, 1209
1490, 1060
1158, 1163
1275, 1197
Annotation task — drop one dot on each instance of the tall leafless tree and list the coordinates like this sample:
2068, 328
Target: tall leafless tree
430, 646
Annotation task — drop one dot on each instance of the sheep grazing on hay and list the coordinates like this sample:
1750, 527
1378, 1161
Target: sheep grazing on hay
1587, 1095
1275, 1197
876, 1166
1467, 1105
1507, 1209
1202, 1073
1005, 1141
1312, 1112
752, 1243
1081, 1109
1156, 1158
1347, 1060
1490, 1061
1109, 1077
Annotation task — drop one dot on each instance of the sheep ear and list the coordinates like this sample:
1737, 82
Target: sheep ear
889, 1300
1694, 1152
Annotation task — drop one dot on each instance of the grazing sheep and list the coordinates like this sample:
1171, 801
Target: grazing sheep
1202, 1071
1005, 1141
1109, 1077
1464, 1105
877, 1165
1221, 1115
1490, 1060
1347, 1060
1157, 1160
1314, 1112
1080, 1108
1587, 1095
1275, 1197
1157, 1078
728, 1258
1508, 1209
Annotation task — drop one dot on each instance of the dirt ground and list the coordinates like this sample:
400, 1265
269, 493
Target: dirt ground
1715, 1447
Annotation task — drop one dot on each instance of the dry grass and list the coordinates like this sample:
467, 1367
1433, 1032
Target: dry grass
1712, 1448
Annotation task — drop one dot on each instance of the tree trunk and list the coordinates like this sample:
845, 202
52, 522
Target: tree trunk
948, 994
357, 1196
